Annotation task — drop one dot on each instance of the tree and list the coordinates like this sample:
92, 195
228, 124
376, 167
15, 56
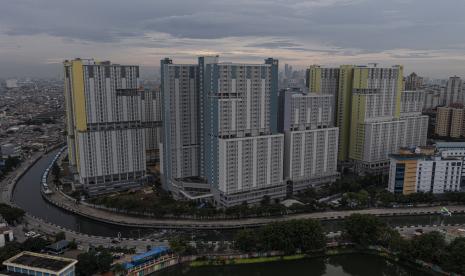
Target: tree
34, 244
86, 264
73, 244
309, 235
453, 259
11, 163
385, 197
352, 199
60, 236
181, 246
246, 240
119, 269
11, 214
56, 172
265, 200
363, 229
289, 237
428, 247
9, 250
93, 262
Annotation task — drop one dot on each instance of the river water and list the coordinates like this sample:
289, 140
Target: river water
27, 195
342, 265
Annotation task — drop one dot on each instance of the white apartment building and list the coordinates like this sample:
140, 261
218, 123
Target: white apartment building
243, 151
454, 92
105, 134
311, 140
151, 122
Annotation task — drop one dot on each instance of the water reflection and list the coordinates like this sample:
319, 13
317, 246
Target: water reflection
343, 265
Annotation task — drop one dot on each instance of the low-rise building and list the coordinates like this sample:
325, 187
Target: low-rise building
6, 234
10, 150
58, 247
425, 170
150, 261
30, 263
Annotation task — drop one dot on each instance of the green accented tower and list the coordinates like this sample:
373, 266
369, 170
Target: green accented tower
368, 103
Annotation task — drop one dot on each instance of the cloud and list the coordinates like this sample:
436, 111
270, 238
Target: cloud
301, 31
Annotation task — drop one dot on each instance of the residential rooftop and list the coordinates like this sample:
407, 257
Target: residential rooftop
40, 261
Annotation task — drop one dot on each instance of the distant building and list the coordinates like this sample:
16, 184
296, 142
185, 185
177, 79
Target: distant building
425, 171
450, 121
454, 93
433, 96
29, 263
11, 83
324, 80
413, 82
374, 115
9, 150
104, 125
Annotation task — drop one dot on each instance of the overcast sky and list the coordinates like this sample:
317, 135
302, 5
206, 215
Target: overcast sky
427, 36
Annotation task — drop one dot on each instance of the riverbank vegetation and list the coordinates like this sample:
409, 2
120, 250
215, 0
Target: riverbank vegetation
363, 231
93, 262
159, 204
220, 262
12, 248
290, 237
10, 214
350, 192
10, 164
429, 247
358, 192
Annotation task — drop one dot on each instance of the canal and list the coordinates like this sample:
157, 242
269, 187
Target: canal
342, 265
27, 195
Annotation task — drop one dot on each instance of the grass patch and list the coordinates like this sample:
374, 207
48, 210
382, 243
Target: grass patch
246, 261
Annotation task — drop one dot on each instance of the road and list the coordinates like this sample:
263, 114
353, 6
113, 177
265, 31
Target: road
121, 219
85, 241
31, 223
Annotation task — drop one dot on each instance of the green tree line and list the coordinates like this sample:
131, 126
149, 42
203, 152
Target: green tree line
290, 237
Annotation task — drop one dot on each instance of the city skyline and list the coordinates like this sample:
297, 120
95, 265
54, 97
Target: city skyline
243, 137
34, 41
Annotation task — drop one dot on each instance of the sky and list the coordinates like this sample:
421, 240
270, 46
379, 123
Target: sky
426, 36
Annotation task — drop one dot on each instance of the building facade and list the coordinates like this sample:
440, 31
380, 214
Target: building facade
180, 149
413, 82
375, 116
151, 122
104, 128
433, 96
311, 140
220, 131
454, 92
431, 171
30, 263
450, 121
243, 151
